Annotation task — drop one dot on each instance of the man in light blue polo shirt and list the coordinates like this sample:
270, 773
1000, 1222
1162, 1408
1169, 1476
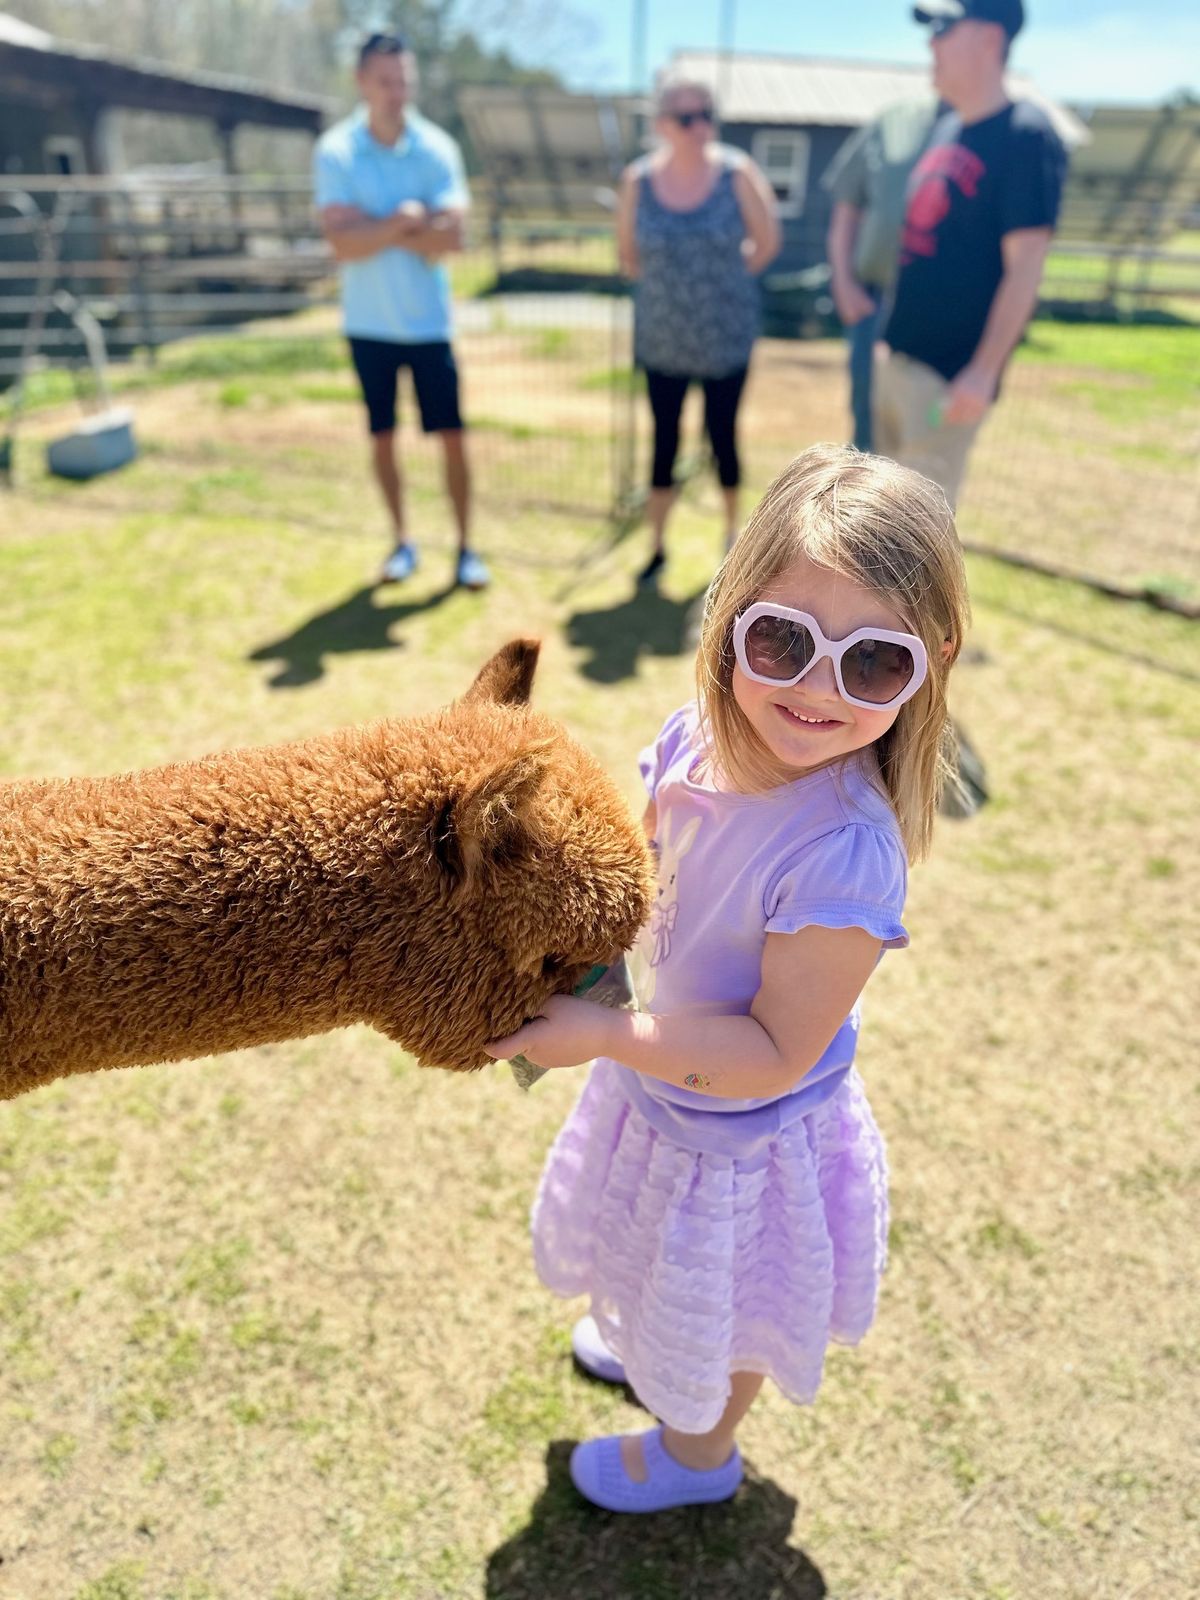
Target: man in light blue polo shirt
392, 196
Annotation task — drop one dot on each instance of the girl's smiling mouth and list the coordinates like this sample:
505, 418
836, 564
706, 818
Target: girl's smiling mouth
805, 720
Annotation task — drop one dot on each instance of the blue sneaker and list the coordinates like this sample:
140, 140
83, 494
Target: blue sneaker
401, 564
471, 572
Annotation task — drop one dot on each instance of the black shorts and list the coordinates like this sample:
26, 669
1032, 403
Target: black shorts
435, 378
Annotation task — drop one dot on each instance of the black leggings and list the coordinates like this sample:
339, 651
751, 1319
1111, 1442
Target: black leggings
721, 396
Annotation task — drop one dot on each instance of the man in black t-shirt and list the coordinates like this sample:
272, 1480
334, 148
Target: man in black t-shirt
981, 208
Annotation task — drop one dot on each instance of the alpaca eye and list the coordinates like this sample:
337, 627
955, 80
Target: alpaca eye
552, 966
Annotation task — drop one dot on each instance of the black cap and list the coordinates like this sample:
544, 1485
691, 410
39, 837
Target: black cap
1006, 14
382, 44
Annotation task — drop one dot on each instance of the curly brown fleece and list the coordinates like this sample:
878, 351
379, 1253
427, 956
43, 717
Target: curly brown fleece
437, 877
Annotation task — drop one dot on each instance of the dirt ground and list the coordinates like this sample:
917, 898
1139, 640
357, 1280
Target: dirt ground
269, 1325
1091, 461
1095, 470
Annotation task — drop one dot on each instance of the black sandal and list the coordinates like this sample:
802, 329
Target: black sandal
649, 573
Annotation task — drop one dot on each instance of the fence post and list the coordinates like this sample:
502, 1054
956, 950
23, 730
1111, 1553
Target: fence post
141, 292
623, 426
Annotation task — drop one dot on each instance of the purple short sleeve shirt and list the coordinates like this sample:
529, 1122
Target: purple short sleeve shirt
732, 868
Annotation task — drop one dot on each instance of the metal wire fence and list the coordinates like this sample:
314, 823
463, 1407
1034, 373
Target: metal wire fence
1089, 464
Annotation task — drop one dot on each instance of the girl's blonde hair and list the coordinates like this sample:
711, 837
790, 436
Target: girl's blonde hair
892, 531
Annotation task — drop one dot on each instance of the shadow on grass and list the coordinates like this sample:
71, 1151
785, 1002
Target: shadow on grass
739, 1550
355, 623
648, 623
1095, 639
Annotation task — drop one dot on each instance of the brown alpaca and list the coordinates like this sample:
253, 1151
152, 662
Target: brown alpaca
437, 877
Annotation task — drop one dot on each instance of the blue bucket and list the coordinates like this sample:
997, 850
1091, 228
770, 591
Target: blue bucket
102, 444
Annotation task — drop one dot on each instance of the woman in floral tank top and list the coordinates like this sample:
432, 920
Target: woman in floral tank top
696, 224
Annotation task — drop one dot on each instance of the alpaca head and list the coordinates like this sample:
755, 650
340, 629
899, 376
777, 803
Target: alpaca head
538, 870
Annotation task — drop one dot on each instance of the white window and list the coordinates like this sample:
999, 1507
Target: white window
783, 156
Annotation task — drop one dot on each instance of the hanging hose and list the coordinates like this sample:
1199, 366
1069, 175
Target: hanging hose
93, 338
46, 232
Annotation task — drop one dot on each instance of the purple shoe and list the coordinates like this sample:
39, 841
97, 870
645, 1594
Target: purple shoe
598, 1472
592, 1354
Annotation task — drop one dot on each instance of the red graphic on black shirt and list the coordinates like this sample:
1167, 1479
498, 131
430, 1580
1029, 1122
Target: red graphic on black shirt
929, 195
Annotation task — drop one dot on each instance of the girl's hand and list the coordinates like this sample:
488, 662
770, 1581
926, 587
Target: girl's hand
567, 1033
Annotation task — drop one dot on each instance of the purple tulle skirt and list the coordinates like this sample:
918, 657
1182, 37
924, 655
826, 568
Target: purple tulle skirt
700, 1265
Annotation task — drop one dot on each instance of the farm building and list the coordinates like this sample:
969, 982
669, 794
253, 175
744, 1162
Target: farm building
154, 247
60, 104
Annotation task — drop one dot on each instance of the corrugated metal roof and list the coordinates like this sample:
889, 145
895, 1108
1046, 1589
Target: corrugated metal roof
21, 36
13, 31
841, 94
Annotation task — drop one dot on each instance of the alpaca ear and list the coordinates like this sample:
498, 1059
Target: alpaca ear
490, 822
507, 678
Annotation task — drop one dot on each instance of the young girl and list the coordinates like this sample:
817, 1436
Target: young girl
720, 1189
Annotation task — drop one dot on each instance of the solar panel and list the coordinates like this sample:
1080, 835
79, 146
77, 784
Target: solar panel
1138, 178
549, 150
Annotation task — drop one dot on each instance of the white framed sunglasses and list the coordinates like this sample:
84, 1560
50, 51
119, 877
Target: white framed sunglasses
875, 668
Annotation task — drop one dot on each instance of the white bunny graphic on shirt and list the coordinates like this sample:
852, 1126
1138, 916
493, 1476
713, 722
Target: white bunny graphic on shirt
654, 942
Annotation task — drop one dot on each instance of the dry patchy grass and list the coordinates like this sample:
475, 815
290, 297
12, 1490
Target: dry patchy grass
268, 1324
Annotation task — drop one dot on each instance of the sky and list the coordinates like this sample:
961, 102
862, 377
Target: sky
1082, 51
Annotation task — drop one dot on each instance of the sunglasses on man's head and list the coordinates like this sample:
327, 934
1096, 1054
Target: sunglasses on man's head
875, 668
686, 118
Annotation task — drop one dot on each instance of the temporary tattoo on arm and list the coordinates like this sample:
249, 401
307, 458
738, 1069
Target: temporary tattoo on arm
697, 1080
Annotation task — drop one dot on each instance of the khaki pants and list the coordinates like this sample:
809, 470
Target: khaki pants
906, 393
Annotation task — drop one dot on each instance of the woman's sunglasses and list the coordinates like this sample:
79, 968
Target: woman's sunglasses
874, 667
686, 118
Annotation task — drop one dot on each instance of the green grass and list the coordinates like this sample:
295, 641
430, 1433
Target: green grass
624, 380
268, 1324
1090, 458
58, 1454
239, 357
471, 273
1165, 358
120, 1582
550, 344
1077, 612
